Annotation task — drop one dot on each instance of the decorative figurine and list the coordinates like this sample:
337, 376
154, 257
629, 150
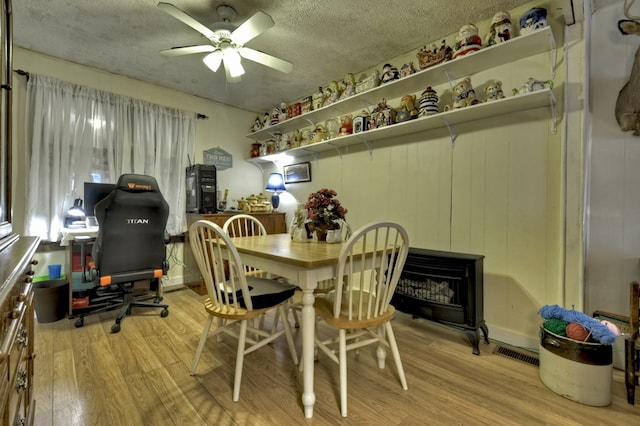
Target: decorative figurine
463, 95
407, 69
275, 116
297, 109
318, 134
366, 83
428, 102
349, 83
296, 139
306, 105
333, 94
271, 146
533, 19
382, 115
467, 41
389, 73
361, 122
501, 29
408, 109
346, 125
318, 99
493, 91
266, 120
257, 125
255, 150
434, 55
263, 149
306, 137
282, 115
332, 127
531, 85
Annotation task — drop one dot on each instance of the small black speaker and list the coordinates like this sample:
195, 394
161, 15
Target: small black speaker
201, 189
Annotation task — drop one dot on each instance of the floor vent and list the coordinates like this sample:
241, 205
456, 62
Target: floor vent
519, 355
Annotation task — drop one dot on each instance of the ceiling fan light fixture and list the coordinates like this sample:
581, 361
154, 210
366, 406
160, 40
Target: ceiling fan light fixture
213, 60
232, 61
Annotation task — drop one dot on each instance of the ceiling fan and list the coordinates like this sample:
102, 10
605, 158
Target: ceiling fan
227, 41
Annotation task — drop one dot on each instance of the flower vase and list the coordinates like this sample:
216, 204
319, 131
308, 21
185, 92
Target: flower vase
321, 234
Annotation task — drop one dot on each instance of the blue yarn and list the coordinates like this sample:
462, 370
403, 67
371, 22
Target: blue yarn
599, 331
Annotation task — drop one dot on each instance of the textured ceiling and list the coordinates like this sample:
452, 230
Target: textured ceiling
324, 39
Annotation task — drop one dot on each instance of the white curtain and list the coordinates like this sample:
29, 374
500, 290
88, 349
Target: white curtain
77, 134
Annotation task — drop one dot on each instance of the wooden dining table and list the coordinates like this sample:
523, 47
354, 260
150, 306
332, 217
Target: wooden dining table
305, 264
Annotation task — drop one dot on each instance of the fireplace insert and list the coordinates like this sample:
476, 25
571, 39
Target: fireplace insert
445, 287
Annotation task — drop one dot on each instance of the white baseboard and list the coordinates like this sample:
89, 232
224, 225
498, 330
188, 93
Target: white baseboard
511, 338
173, 283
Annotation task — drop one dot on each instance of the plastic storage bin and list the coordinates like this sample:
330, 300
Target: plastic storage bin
51, 298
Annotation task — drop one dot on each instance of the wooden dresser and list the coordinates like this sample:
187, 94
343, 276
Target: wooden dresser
274, 223
17, 348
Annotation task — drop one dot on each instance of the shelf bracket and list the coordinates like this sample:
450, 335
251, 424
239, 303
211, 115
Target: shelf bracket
337, 149
450, 77
369, 147
553, 113
258, 166
554, 53
452, 133
309, 121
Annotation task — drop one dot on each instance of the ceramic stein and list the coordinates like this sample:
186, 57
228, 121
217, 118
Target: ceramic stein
334, 236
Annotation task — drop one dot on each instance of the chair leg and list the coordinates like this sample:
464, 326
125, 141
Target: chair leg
381, 352
203, 339
629, 373
343, 372
396, 355
288, 335
242, 338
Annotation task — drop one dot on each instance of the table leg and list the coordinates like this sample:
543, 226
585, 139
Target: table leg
308, 344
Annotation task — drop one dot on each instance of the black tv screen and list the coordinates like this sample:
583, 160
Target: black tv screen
94, 192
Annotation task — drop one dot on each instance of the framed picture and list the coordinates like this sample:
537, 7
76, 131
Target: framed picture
295, 173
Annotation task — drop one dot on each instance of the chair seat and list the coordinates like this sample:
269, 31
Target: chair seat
324, 309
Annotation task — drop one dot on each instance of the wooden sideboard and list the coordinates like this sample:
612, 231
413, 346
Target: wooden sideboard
16, 325
274, 223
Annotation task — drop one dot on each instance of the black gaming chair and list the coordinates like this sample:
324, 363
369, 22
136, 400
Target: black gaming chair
130, 246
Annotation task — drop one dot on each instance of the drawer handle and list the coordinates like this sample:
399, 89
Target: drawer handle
23, 338
22, 382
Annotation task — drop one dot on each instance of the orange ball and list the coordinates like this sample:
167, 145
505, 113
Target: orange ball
576, 331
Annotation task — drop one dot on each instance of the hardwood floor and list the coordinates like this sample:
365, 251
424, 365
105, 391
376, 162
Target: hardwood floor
140, 376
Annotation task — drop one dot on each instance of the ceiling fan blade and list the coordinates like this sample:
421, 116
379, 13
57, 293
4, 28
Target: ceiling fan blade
231, 79
213, 60
182, 16
266, 60
252, 27
187, 50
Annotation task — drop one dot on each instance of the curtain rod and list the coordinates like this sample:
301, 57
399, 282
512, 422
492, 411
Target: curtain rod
22, 72
199, 116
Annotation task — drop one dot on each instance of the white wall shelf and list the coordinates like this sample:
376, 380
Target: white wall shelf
521, 47
518, 48
538, 99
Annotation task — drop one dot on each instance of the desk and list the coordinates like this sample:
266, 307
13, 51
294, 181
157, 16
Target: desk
304, 263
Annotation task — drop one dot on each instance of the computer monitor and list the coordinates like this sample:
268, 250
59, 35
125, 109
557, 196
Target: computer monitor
93, 193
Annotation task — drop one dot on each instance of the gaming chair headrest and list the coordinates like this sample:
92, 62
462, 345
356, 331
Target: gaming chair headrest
137, 183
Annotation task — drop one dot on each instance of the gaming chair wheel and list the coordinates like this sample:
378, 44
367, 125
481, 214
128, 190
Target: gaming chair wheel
164, 313
79, 322
115, 328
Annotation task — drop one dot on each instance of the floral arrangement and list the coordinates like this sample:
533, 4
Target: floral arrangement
324, 210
